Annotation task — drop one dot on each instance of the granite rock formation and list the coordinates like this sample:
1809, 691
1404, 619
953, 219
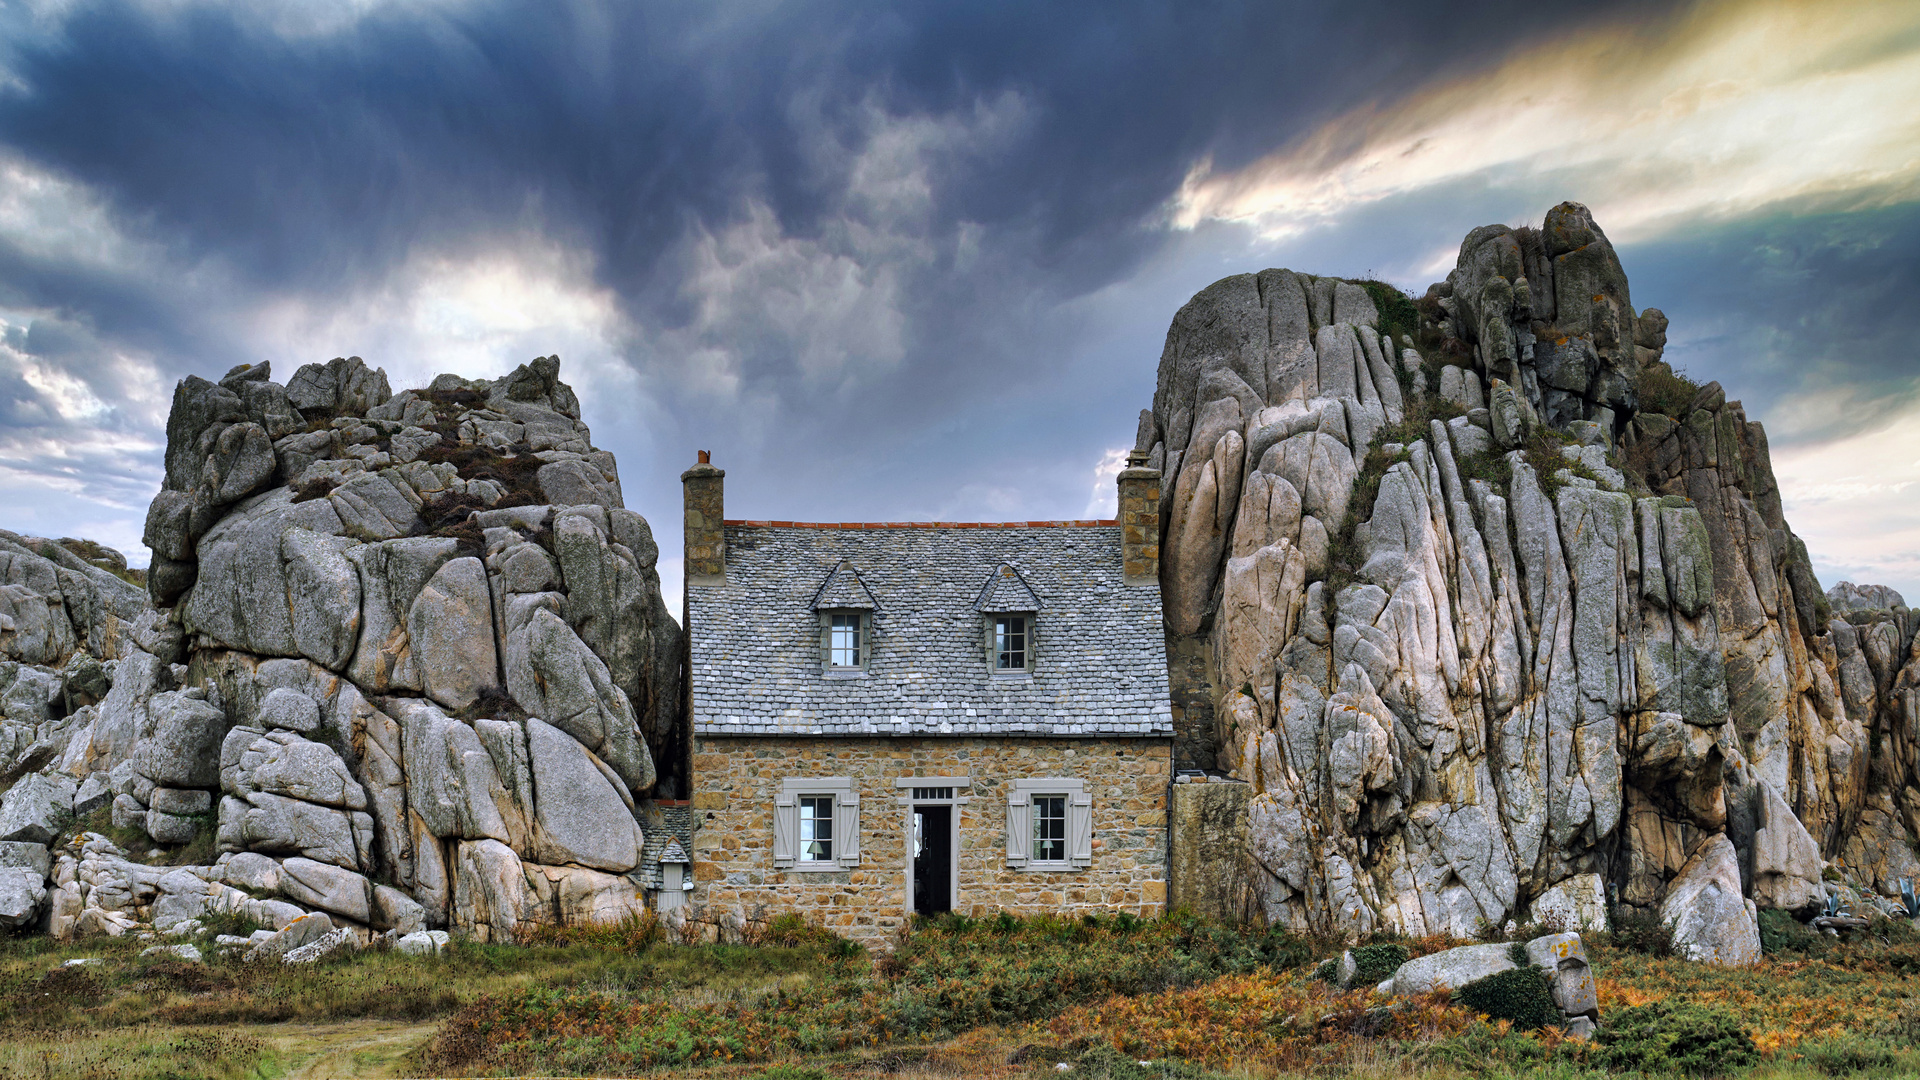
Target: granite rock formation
1500, 617
406, 664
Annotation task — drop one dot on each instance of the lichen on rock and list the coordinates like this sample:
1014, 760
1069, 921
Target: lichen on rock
1593, 674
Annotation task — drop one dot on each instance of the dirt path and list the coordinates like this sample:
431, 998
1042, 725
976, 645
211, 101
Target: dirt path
357, 1048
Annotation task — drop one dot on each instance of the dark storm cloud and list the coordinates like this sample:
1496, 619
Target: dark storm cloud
309, 161
888, 262
1810, 317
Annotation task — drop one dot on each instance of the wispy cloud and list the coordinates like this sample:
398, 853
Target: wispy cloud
1721, 110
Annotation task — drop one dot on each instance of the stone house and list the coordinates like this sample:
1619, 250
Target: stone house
904, 717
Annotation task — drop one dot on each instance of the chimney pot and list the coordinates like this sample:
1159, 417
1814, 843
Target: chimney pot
706, 458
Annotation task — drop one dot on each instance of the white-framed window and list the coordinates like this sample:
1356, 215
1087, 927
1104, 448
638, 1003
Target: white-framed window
816, 828
1010, 644
816, 824
846, 637
1049, 824
1049, 828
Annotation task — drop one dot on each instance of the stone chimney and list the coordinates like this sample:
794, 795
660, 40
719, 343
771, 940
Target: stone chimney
705, 532
1139, 521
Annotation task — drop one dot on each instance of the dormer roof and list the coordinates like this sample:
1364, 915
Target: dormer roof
843, 589
1006, 591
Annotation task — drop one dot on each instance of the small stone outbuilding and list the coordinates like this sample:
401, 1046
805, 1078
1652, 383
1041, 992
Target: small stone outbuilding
901, 717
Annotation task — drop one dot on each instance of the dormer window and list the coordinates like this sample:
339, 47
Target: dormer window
1011, 651
846, 639
1009, 606
845, 608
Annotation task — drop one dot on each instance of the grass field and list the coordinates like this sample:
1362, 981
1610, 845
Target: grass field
999, 997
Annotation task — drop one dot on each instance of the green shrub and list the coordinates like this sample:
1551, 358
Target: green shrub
1842, 1055
1640, 932
1520, 995
1378, 962
1780, 932
1484, 1048
1676, 1036
1661, 389
231, 923
1398, 316
1327, 970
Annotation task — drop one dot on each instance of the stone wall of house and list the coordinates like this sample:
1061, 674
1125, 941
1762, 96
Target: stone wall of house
736, 779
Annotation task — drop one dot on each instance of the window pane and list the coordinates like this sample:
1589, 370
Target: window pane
816, 828
1010, 643
1050, 828
846, 640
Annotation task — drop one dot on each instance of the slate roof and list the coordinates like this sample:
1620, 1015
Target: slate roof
1100, 653
843, 589
1006, 591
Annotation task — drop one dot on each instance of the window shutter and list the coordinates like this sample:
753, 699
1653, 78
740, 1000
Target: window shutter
826, 640
846, 827
1033, 643
991, 659
1019, 827
866, 639
786, 822
1080, 830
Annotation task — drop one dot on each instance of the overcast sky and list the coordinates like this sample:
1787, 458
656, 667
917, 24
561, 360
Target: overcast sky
917, 262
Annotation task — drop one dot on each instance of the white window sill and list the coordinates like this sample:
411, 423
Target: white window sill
845, 673
815, 868
1052, 867
1013, 676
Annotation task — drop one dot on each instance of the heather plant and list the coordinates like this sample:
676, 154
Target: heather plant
1676, 1036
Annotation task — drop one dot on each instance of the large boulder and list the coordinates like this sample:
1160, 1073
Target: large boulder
264, 822
23, 895
184, 749
450, 626
553, 674
1712, 922
582, 814
37, 808
1570, 979
1786, 862
1452, 968
282, 763
489, 892
332, 889
1577, 905
453, 787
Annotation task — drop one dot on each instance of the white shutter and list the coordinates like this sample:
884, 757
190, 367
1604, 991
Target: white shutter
1019, 827
786, 822
846, 827
1080, 830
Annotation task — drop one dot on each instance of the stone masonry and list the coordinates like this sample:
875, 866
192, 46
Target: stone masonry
737, 778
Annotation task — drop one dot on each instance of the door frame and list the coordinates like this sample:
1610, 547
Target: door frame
959, 786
